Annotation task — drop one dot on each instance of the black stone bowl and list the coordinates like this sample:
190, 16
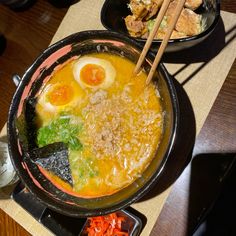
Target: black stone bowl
114, 11
21, 140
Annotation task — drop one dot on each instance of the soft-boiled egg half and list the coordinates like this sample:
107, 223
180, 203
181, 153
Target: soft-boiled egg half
94, 72
59, 96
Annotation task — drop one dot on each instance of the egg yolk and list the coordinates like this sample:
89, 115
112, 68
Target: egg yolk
92, 74
60, 95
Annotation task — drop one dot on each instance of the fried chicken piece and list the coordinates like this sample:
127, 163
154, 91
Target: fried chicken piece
188, 23
153, 8
145, 9
193, 4
175, 34
135, 27
138, 8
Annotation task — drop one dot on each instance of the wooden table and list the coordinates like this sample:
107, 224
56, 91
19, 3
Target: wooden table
27, 33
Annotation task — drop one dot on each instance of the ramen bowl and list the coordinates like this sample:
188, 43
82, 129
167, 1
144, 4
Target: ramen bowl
21, 127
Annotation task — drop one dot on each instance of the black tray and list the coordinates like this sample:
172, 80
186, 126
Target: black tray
62, 225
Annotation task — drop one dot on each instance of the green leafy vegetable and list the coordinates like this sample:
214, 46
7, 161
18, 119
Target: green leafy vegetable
83, 170
163, 25
87, 169
61, 129
150, 25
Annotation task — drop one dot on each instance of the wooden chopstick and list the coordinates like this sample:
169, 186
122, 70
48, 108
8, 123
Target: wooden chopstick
165, 40
152, 34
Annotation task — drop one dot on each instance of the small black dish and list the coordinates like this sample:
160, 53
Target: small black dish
132, 224
114, 11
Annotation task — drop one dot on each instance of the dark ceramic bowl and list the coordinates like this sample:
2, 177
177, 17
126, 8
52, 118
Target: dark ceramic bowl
80, 44
114, 11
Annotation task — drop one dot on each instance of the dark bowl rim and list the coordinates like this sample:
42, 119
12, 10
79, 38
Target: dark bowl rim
12, 134
171, 41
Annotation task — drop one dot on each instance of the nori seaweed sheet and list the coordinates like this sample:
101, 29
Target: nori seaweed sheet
54, 158
26, 126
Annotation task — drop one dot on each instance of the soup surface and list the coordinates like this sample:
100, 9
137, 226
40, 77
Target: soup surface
111, 121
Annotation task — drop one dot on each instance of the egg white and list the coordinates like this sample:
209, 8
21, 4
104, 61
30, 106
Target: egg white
47, 106
110, 72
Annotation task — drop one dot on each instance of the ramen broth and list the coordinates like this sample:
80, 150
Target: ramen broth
113, 122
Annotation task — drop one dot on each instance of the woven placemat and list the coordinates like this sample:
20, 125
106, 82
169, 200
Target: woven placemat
201, 72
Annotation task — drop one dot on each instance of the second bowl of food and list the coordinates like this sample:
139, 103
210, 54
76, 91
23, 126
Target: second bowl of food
86, 136
135, 18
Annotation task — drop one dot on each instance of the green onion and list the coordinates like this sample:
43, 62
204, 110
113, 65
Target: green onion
61, 130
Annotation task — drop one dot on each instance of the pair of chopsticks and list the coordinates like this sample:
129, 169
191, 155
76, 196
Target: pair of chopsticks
165, 40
